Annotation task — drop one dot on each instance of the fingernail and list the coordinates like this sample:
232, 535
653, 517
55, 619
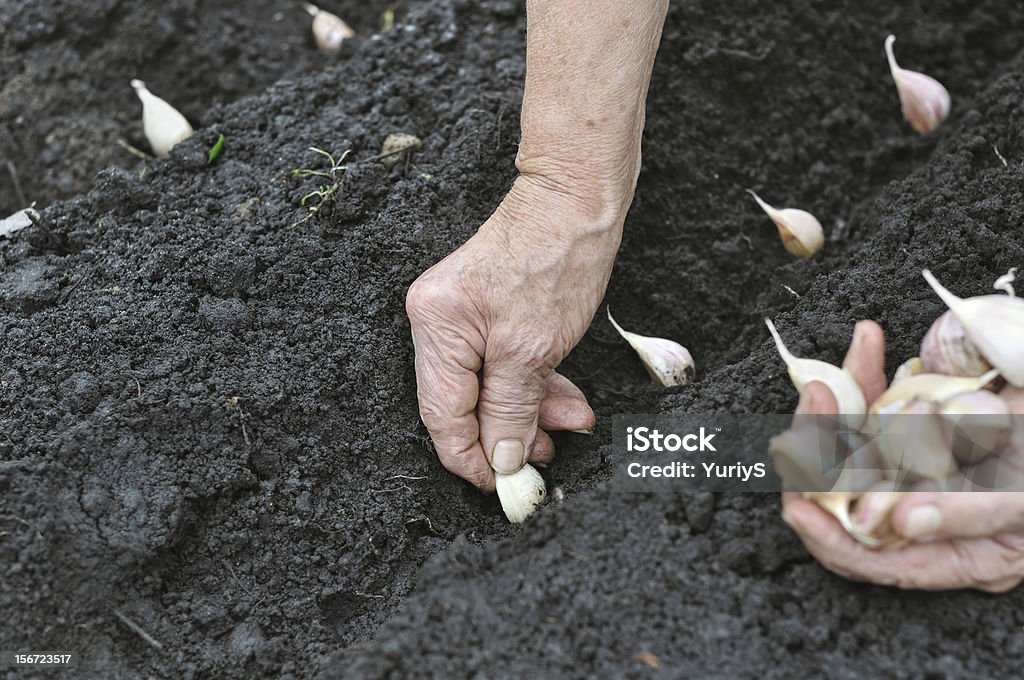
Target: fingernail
508, 456
922, 521
582, 431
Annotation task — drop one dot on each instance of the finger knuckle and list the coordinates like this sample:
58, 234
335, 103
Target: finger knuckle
424, 294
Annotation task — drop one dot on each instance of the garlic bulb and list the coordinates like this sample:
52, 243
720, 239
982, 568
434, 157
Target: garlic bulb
994, 324
667, 362
924, 100
329, 30
946, 349
163, 124
848, 394
520, 492
801, 231
908, 369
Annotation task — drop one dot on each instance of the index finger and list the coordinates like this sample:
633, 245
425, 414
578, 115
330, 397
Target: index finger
447, 388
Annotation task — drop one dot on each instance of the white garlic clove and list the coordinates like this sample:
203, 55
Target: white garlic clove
946, 349
1005, 282
924, 100
873, 512
915, 440
800, 231
931, 387
163, 124
667, 362
979, 423
520, 492
994, 323
17, 221
849, 396
837, 504
329, 30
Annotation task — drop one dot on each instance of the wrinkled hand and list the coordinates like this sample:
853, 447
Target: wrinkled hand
492, 321
967, 539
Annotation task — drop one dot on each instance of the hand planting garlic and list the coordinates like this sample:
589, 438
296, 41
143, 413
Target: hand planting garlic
329, 30
924, 100
520, 492
163, 125
995, 326
667, 362
800, 231
847, 392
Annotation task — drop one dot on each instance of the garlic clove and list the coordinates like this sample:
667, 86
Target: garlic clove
915, 440
837, 504
994, 323
667, 362
163, 124
520, 492
329, 30
931, 387
873, 512
979, 424
849, 396
924, 100
908, 369
17, 221
946, 349
801, 231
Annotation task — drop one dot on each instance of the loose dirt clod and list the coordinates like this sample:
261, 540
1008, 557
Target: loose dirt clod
398, 147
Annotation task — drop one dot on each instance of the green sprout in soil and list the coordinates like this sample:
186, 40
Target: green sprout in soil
215, 150
388, 19
332, 180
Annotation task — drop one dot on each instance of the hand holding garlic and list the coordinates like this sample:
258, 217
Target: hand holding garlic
973, 540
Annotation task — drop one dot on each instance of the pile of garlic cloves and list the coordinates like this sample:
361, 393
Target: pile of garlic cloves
947, 417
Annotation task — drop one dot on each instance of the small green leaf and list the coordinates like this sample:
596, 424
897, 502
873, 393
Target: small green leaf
215, 150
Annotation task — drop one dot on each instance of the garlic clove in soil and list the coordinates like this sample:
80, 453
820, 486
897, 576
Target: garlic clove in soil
924, 100
994, 324
667, 362
848, 394
329, 30
163, 124
801, 231
946, 349
520, 492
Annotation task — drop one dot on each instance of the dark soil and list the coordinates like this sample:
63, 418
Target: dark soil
207, 412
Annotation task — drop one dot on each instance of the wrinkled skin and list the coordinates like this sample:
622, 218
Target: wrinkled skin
963, 540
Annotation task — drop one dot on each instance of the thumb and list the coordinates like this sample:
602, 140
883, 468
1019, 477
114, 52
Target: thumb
507, 410
937, 515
